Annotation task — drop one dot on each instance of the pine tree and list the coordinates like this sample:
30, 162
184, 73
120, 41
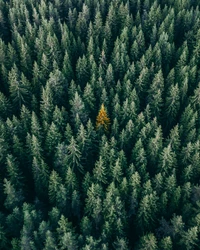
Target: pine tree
14, 197
172, 104
4, 240
57, 83
155, 94
82, 71
120, 244
89, 98
147, 242
86, 226
14, 173
66, 235
78, 108
18, 90
41, 176
166, 243
102, 119
47, 105
15, 218
53, 137
35, 126
74, 156
99, 171
190, 238
5, 106
147, 212
50, 242
117, 172
54, 184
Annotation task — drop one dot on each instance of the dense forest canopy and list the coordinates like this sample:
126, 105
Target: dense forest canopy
100, 124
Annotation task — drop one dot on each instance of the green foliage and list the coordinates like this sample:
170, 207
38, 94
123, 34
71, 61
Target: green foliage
148, 242
41, 176
100, 171
4, 106
73, 156
124, 177
14, 197
17, 88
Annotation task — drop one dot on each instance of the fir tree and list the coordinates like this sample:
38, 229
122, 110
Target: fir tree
102, 119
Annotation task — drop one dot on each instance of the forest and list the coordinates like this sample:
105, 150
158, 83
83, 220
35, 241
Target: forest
100, 125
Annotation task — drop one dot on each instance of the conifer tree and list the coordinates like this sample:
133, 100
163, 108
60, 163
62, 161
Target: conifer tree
148, 242
78, 108
18, 90
102, 119
74, 155
125, 176
15, 175
41, 176
166, 243
5, 106
99, 171
14, 197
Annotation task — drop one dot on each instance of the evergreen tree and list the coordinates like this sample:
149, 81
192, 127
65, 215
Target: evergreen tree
5, 106
41, 176
148, 242
53, 137
74, 155
99, 124
18, 90
14, 197
100, 171
15, 176
78, 108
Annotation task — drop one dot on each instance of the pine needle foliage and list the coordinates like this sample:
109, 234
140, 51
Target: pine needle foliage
102, 119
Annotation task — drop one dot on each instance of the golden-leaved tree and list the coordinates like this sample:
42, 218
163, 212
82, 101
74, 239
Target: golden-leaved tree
102, 119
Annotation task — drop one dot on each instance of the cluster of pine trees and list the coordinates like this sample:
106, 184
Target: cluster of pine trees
100, 124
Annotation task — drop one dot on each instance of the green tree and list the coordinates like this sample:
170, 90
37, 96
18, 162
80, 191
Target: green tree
5, 106
155, 94
190, 238
35, 126
139, 158
74, 156
47, 105
120, 244
188, 125
18, 90
172, 104
117, 172
99, 171
50, 242
15, 218
67, 67
166, 243
53, 137
54, 185
14, 197
66, 235
148, 242
147, 210
82, 71
78, 108
57, 83
14, 173
41, 176
4, 240
89, 98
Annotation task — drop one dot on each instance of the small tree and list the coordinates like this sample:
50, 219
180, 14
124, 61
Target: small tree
102, 119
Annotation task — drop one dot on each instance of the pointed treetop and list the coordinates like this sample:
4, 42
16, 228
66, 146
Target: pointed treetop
102, 118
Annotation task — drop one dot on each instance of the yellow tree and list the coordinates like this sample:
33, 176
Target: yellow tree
102, 119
